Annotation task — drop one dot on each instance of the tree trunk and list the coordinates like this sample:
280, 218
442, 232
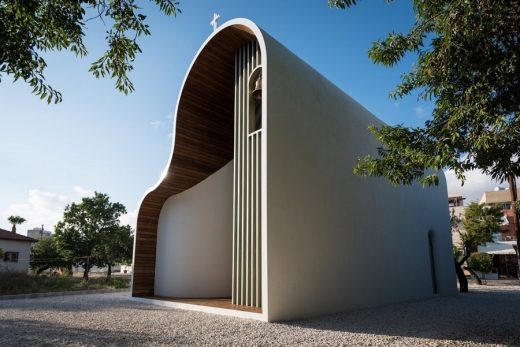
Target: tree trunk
87, 269
514, 198
109, 272
463, 281
477, 277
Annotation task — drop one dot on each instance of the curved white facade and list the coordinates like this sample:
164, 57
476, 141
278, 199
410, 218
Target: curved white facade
330, 240
194, 240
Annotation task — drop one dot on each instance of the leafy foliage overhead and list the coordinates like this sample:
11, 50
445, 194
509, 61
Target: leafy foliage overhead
468, 63
29, 28
341, 3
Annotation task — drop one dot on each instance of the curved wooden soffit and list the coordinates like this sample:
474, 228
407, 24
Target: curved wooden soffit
203, 141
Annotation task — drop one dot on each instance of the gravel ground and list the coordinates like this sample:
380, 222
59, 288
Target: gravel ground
488, 316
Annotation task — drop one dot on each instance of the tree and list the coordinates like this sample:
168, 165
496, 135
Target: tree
116, 247
456, 223
14, 220
479, 224
32, 27
46, 254
84, 228
467, 63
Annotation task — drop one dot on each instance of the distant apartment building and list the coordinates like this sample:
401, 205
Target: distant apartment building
501, 197
504, 248
39, 233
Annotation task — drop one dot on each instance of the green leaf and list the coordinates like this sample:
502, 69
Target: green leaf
42, 26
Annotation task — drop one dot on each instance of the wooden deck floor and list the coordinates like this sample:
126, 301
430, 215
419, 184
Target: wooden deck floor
211, 302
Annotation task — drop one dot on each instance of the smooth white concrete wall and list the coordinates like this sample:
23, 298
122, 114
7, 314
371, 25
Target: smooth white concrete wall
331, 241
336, 241
194, 240
24, 253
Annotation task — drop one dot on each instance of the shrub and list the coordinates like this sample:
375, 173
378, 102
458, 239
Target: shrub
120, 283
12, 282
481, 262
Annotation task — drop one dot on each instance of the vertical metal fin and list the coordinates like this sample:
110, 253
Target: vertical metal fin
246, 277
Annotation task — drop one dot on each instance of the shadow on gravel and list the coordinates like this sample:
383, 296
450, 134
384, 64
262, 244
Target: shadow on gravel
77, 303
21, 332
484, 316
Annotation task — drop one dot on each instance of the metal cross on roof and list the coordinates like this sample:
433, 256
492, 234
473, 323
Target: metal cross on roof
216, 17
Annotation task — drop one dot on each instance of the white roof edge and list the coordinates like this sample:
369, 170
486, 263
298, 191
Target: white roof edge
237, 21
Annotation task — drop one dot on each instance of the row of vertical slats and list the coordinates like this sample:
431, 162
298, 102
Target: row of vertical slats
246, 186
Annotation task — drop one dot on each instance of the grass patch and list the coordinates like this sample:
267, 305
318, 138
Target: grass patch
21, 283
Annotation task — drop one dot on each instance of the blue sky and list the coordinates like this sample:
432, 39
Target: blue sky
98, 139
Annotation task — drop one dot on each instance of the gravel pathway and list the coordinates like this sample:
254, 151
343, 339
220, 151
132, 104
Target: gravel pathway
488, 316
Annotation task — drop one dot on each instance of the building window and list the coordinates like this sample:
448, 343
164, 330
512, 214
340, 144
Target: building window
11, 257
258, 112
255, 100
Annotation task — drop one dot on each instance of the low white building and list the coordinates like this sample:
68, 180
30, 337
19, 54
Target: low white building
17, 251
456, 204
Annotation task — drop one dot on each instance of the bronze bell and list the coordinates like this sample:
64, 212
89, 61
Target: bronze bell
257, 91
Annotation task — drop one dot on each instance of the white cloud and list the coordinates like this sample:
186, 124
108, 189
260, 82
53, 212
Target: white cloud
40, 208
47, 208
83, 192
130, 218
419, 110
169, 115
170, 135
475, 185
156, 124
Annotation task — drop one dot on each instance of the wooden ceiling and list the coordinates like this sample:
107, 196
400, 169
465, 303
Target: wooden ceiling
203, 141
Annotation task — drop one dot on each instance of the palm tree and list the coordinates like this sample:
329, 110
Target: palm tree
15, 220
